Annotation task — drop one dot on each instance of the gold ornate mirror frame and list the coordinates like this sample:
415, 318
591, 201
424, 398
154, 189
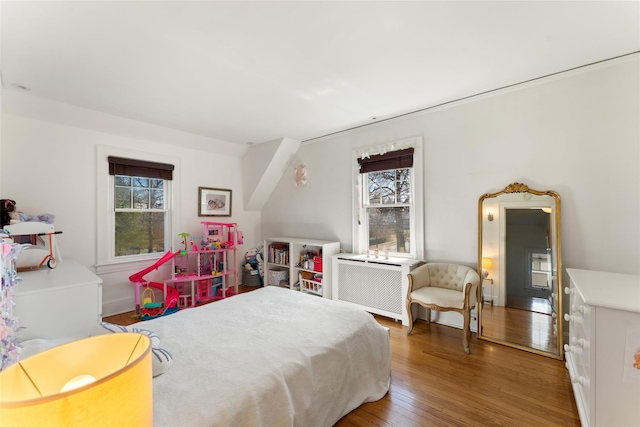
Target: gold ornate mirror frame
538, 271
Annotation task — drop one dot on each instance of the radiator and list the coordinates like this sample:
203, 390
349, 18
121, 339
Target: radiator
376, 285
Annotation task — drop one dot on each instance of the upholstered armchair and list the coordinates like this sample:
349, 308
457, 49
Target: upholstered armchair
444, 287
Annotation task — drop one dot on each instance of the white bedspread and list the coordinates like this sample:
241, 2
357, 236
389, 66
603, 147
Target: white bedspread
271, 357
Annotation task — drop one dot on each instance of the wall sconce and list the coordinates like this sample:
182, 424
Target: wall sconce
490, 216
487, 263
300, 174
118, 391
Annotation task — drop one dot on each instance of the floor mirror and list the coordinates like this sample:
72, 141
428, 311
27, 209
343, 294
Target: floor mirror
520, 265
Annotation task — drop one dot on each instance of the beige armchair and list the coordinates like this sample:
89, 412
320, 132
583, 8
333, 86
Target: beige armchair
444, 287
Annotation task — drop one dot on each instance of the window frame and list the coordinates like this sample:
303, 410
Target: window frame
166, 209
105, 194
360, 218
531, 256
367, 206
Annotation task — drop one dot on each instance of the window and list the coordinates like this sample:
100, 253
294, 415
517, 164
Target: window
389, 216
388, 210
540, 271
140, 212
140, 215
135, 215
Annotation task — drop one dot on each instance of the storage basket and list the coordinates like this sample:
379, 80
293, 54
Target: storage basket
276, 277
251, 278
317, 264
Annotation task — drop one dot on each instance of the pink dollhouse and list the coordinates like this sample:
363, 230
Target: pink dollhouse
207, 272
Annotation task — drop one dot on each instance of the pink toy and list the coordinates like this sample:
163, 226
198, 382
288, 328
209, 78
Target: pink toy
171, 294
213, 274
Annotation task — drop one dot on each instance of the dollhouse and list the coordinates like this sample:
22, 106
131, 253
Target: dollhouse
208, 270
203, 273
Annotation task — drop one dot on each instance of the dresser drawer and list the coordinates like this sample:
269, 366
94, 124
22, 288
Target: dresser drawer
582, 311
580, 338
581, 388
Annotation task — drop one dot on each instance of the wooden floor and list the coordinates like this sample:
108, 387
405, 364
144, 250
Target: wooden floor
434, 383
129, 317
539, 305
519, 326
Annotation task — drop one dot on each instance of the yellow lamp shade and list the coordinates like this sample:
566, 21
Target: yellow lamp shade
487, 263
115, 386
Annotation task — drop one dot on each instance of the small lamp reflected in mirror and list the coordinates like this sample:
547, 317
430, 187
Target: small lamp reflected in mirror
489, 216
487, 263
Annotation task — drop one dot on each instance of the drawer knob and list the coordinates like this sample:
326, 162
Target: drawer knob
568, 317
568, 291
580, 342
580, 380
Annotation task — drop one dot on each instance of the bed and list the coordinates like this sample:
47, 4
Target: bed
270, 357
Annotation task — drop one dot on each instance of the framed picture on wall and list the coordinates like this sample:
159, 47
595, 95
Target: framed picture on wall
214, 202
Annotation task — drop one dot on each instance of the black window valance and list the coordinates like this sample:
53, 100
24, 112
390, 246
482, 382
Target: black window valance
133, 167
392, 160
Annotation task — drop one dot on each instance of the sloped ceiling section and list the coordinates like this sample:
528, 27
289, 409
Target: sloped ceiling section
263, 166
254, 71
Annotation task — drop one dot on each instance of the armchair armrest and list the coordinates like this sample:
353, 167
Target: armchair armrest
472, 281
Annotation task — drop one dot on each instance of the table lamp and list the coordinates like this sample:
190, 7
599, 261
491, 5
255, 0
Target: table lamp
98, 381
487, 263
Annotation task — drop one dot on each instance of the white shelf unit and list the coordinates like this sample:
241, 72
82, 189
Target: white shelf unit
283, 254
604, 337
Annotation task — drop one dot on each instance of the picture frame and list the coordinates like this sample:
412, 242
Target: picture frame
214, 201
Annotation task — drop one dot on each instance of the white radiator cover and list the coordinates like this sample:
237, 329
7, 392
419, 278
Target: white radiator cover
377, 285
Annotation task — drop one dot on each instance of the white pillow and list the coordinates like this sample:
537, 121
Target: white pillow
162, 359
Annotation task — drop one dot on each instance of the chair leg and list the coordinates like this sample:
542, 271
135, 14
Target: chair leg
410, 314
428, 316
466, 331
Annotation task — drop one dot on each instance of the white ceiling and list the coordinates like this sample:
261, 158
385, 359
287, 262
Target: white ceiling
257, 71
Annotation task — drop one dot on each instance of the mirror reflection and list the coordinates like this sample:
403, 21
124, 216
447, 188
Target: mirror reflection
520, 265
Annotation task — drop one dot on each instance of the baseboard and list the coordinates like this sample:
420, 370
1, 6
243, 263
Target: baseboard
118, 306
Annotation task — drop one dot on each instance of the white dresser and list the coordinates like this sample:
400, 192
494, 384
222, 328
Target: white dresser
55, 303
604, 335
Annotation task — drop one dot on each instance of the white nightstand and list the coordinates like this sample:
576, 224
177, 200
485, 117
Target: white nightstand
56, 303
490, 280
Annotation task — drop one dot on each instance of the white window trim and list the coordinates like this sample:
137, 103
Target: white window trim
417, 192
106, 261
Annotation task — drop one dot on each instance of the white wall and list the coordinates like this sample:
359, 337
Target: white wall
577, 134
51, 167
